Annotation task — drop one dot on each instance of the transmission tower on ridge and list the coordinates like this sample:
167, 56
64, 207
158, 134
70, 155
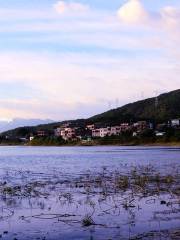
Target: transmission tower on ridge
156, 99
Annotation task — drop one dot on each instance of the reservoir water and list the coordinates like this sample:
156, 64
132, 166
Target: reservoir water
93, 193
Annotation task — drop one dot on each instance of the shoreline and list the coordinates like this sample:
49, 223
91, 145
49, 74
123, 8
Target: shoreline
169, 144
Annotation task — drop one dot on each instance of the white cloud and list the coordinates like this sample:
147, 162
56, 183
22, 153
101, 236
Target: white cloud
133, 12
170, 12
66, 82
124, 60
161, 27
170, 16
63, 7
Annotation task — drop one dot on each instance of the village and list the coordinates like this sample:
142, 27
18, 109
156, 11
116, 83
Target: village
87, 133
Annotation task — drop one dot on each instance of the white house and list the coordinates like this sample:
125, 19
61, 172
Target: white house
175, 122
31, 138
57, 132
108, 131
115, 130
105, 132
160, 134
66, 133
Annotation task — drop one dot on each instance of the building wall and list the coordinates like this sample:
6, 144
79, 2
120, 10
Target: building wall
96, 133
175, 122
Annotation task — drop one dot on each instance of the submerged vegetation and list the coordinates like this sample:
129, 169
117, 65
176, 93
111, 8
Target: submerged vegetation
108, 199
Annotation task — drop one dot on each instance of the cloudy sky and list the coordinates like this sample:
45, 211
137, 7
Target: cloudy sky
71, 59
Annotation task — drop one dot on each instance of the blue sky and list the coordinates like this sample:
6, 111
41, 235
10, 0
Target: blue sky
106, 4
71, 59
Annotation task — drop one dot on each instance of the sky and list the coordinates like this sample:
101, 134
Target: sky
73, 59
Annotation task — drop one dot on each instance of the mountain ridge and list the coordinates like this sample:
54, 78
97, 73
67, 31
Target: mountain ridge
160, 108
21, 122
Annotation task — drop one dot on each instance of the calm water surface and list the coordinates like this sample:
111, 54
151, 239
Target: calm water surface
61, 166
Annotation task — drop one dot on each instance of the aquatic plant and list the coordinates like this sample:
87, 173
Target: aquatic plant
103, 195
87, 221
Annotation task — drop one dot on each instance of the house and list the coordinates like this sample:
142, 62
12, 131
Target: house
125, 127
41, 133
23, 140
151, 125
67, 133
116, 130
83, 133
161, 127
109, 131
135, 134
96, 133
90, 127
105, 132
175, 122
65, 125
31, 138
141, 125
86, 141
160, 134
57, 132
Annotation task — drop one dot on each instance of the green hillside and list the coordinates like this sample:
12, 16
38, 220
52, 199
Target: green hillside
160, 109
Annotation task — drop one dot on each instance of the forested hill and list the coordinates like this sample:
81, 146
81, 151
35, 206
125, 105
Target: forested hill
160, 109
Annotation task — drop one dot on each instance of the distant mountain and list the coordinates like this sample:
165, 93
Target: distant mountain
20, 122
158, 109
